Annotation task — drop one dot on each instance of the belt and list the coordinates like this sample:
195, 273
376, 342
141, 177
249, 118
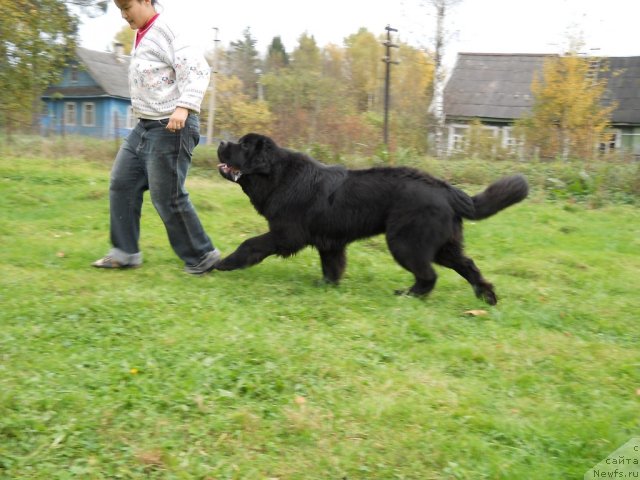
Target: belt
191, 112
147, 124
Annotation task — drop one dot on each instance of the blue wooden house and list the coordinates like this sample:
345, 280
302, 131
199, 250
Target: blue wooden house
92, 99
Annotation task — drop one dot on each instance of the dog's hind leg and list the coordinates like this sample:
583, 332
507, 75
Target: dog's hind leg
425, 280
417, 260
451, 255
334, 263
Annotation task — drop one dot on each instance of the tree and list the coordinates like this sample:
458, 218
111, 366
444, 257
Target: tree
364, 67
126, 37
236, 112
34, 47
244, 62
277, 56
412, 83
307, 57
327, 97
568, 115
92, 8
437, 105
334, 61
299, 95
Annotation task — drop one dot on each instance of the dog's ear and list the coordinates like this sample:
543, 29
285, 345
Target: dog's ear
264, 145
258, 146
263, 152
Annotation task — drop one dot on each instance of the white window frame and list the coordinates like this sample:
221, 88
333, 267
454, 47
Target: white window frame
88, 114
493, 130
457, 137
509, 142
120, 121
70, 114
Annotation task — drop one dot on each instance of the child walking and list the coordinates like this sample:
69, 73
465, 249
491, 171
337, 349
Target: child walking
168, 78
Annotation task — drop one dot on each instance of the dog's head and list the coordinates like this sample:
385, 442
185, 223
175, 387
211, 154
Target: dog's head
251, 155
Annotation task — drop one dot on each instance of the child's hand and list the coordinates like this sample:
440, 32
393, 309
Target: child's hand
178, 119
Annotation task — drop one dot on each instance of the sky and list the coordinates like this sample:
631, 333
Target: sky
608, 28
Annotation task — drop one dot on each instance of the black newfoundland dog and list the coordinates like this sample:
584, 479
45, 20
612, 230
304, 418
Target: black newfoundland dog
328, 207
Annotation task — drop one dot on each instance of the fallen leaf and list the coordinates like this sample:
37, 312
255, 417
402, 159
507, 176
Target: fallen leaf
476, 313
300, 400
61, 255
151, 458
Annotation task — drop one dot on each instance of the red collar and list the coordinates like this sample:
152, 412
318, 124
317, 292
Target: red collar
141, 31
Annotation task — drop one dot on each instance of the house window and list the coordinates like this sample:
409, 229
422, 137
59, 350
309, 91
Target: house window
510, 142
608, 142
70, 113
88, 114
74, 74
457, 137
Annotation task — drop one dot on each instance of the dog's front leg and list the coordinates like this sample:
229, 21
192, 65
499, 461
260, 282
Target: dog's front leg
250, 252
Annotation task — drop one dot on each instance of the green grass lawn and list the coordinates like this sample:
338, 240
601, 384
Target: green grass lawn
262, 374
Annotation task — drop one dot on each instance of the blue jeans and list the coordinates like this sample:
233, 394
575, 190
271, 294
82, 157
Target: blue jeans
155, 159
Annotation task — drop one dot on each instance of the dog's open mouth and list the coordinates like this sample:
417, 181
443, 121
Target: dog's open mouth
230, 172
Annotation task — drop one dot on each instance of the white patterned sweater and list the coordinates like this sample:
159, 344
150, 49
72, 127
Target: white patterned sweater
166, 71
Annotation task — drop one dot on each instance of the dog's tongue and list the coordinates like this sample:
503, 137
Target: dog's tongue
234, 173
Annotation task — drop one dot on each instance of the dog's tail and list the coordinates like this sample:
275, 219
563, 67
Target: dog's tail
498, 196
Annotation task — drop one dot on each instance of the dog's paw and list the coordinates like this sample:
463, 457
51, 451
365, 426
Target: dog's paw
408, 293
325, 282
223, 266
486, 293
490, 297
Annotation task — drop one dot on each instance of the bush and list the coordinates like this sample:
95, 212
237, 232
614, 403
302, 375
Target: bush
85, 148
594, 182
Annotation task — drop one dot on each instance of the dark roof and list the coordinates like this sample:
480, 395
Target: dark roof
109, 71
623, 87
498, 86
491, 85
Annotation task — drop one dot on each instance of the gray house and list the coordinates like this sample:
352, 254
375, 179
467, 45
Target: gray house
92, 98
496, 90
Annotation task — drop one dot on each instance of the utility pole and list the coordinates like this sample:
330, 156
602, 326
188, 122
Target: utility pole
212, 90
387, 80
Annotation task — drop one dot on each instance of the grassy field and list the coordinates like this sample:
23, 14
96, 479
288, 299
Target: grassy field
262, 374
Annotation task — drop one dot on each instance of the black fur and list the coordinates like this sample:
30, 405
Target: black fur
328, 207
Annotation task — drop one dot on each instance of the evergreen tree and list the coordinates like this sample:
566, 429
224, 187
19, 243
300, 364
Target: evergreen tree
307, 56
244, 62
277, 56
